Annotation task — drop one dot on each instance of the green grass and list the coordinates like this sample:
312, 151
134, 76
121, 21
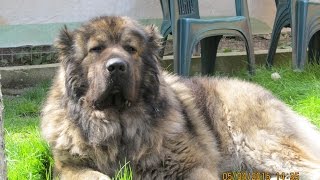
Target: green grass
300, 90
124, 173
29, 156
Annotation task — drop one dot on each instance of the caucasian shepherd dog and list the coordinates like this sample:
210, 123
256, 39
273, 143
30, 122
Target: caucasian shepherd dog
111, 103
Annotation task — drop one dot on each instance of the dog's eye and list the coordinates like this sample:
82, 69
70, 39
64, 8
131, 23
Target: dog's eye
96, 49
130, 49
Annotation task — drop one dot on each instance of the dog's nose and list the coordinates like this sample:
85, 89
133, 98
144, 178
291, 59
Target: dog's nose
116, 65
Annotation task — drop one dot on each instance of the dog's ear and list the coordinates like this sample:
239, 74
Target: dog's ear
64, 43
154, 38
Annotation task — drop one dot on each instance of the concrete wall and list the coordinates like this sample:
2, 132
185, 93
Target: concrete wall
263, 10
52, 11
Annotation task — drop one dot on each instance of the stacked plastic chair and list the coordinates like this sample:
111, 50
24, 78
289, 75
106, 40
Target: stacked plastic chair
303, 17
181, 18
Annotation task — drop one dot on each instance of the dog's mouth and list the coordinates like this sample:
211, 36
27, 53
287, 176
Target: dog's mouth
114, 98
110, 92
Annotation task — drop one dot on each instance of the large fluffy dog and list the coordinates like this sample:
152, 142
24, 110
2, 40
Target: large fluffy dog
110, 103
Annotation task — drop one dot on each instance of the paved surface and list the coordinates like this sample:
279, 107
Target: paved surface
30, 34
44, 34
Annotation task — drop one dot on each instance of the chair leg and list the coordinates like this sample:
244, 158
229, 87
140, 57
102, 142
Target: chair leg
299, 38
209, 48
273, 46
182, 49
299, 58
184, 52
314, 49
250, 54
282, 19
163, 44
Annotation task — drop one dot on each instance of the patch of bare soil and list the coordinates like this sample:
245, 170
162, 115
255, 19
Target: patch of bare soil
236, 44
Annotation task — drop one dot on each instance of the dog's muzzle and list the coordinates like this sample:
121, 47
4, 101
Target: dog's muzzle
116, 92
117, 67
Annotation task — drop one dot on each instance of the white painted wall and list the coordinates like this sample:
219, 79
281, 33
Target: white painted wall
51, 11
263, 10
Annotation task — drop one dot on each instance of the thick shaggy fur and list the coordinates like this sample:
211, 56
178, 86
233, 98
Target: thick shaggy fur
98, 115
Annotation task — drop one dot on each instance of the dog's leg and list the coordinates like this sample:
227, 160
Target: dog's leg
290, 147
82, 174
203, 174
66, 172
257, 132
304, 144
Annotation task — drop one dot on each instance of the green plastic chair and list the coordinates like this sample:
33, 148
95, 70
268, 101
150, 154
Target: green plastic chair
166, 19
188, 29
303, 17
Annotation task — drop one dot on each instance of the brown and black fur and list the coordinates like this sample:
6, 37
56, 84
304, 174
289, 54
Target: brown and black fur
111, 103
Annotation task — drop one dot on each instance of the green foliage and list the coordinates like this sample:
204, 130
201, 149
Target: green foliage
28, 156
124, 173
226, 50
28, 104
300, 90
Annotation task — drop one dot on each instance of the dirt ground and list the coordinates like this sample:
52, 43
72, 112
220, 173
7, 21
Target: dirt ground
236, 44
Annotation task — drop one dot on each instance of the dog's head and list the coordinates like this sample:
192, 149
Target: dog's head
110, 62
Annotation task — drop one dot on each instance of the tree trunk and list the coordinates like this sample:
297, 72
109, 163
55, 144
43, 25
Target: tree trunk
3, 166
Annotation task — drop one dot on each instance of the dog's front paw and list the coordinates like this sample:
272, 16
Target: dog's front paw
95, 175
84, 174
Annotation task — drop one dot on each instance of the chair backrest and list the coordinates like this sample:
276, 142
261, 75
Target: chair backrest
166, 18
190, 9
183, 9
242, 8
282, 2
172, 10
